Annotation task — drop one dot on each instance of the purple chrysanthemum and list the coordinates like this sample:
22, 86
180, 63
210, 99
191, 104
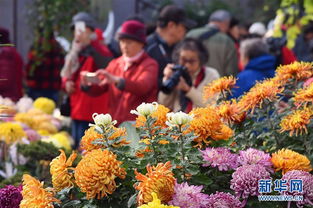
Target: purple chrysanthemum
189, 196
253, 156
245, 180
225, 200
10, 197
307, 182
220, 157
32, 135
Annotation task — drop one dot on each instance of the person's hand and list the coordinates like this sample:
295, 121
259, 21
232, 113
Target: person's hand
107, 77
168, 71
83, 79
70, 87
182, 85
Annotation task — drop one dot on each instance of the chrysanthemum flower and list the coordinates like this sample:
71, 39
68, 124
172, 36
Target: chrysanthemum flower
220, 157
297, 121
230, 111
253, 156
156, 203
10, 196
262, 91
91, 135
158, 179
189, 196
223, 133
11, 132
296, 70
304, 95
287, 160
307, 184
34, 195
245, 180
221, 85
44, 104
159, 114
59, 169
95, 174
25, 118
225, 200
206, 124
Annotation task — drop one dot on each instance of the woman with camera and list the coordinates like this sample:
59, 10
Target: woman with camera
183, 83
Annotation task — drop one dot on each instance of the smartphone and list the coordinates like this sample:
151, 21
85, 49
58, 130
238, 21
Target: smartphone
80, 27
92, 78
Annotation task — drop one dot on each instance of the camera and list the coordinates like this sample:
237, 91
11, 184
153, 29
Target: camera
276, 44
171, 83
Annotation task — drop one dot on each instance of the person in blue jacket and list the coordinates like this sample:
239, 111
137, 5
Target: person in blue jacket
258, 65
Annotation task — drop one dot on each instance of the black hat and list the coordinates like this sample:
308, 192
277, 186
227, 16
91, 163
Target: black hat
86, 18
175, 14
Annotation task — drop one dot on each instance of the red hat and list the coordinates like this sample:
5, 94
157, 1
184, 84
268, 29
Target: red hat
133, 29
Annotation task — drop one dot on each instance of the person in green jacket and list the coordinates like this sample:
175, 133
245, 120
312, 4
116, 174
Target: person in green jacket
222, 50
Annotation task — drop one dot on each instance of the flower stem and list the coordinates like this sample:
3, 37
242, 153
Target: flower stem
182, 152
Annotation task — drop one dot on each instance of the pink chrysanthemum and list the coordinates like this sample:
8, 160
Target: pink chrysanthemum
189, 196
220, 157
225, 200
245, 180
307, 182
253, 156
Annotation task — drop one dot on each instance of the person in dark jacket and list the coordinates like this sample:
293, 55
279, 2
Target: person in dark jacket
258, 65
11, 69
171, 28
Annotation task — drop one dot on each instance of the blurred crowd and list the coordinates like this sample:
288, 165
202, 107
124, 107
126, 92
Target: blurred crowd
171, 65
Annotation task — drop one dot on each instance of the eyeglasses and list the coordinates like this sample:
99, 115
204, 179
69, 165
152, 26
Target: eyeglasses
186, 61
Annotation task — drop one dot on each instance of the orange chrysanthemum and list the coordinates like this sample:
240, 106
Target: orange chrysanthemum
262, 91
296, 70
95, 174
91, 135
34, 195
221, 85
61, 178
224, 133
304, 95
297, 121
206, 124
159, 114
159, 180
230, 111
141, 153
287, 160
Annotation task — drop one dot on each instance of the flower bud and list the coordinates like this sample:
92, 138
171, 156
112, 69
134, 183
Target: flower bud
145, 109
103, 119
179, 118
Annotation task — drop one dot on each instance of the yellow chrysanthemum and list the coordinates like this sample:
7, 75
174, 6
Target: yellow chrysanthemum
156, 203
91, 135
59, 169
287, 160
296, 70
25, 118
159, 115
218, 86
230, 111
297, 121
34, 195
11, 132
304, 95
206, 124
95, 174
158, 179
262, 91
44, 104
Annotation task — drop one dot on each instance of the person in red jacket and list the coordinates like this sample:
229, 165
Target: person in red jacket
88, 53
130, 79
11, 69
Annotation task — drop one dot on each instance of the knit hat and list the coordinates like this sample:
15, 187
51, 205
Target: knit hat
84, 17
133, 29
257, 28
220, 16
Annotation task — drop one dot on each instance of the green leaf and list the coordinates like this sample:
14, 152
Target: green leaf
72, 203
